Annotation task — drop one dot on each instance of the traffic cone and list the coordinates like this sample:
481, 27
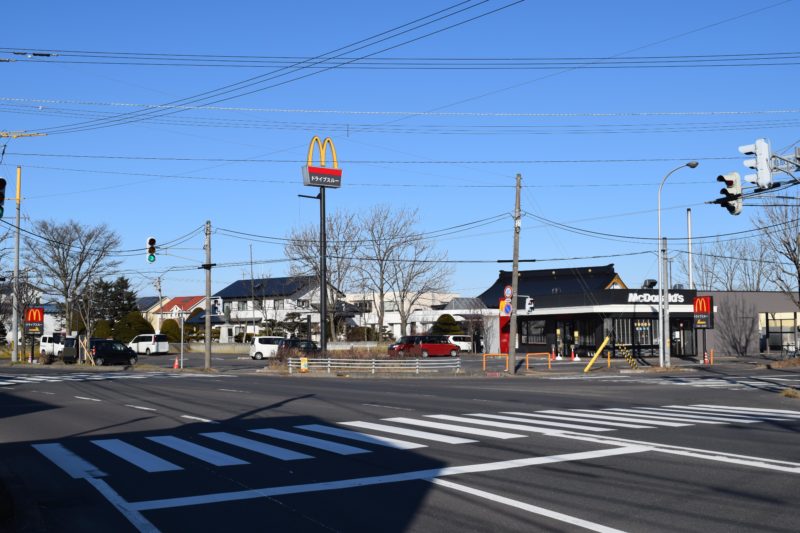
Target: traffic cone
572, 354
176, 365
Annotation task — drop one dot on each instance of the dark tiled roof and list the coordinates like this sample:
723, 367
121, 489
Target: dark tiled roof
146, 302
268, 287
465, 303
200, 319
551, 281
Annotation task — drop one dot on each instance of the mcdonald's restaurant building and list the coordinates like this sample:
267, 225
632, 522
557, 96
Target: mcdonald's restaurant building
576, 308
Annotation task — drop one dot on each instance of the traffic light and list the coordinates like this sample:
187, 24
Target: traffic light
2, 196
151, 249
732, 193
763, 176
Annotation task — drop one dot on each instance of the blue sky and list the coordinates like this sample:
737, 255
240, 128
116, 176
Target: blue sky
592, 143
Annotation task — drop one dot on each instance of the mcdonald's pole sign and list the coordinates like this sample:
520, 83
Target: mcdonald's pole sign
703, 312
322, 176
34, 321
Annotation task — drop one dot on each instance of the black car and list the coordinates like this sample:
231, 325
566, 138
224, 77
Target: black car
106, 351
289, 347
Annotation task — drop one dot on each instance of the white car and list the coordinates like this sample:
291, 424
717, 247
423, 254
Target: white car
51, 345
264, 346
464, 342
149, 344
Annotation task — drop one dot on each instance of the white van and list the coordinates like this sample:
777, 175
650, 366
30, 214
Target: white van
464, 342
149, 344
264, 346
51, 345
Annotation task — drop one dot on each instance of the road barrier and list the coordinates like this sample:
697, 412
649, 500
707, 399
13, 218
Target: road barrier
373, 366
495, 355
537, 354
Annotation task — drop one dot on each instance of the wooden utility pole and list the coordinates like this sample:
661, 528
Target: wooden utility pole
512, 333
207, 266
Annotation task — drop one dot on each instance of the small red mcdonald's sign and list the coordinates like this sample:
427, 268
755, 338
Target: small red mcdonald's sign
34, 321
704, 312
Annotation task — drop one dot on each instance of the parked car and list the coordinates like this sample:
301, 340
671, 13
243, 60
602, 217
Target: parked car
464, 342
69, 353
264, 346
149, 344
423, 346
51, 345
106, 351
290, 347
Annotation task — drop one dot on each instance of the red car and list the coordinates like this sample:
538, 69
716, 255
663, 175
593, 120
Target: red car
423, 346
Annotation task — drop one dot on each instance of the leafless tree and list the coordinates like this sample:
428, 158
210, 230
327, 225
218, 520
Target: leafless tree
415, 270
780, 239
737, 322
63, 257
729, 266
303, 249
384, 233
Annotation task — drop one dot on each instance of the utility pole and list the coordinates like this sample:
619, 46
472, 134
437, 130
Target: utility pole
512, 334
689, 258
160, 302
207, 266
665, 303
15, 299
323, 275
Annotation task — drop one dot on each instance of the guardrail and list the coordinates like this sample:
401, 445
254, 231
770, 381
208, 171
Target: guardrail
537, 354
495, 355
375, 365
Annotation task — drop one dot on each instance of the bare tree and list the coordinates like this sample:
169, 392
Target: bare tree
730, 266
383, 234
342, 243
415, 270
736, 322
780, 239
64, 257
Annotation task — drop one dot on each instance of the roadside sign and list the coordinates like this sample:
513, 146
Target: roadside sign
508, 292
34, 321
704, 312
505, 307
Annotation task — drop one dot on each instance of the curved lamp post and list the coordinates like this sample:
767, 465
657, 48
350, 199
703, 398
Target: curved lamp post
663, 312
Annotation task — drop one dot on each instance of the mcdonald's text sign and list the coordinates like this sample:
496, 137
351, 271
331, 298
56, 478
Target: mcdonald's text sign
34, 321
703, 312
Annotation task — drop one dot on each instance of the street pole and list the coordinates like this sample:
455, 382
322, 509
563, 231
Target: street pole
160, 303
15, 299
689, 258
183, 321
512, 333
667, 336
323, 275
207, 266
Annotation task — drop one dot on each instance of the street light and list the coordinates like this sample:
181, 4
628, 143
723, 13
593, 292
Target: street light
663, 309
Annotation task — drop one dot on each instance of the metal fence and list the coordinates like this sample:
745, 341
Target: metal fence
373, 366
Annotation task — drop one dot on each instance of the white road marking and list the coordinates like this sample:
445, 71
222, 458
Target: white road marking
455, 428
362, 437
535, 509
387, 406
89, 399
409, 432
701, 416
537, 415
527, 421
72, 464
645, 413
136, 456
140, 407
124, 507
197, 418
429, 474
44, 392
604, 415
232, 390
755, 410
333, 447
705, 411
199, 452
257, 446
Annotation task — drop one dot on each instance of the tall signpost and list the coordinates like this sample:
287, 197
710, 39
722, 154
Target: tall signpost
322, 177
33, 325
704, 318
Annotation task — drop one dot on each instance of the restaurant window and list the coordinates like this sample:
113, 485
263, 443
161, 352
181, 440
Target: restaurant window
532, 332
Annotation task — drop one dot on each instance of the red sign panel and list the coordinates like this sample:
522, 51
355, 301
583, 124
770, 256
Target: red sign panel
704, 312
34, 321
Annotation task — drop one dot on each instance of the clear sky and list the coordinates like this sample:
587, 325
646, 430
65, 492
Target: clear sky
592, 102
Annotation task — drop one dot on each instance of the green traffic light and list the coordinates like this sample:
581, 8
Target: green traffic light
151, 258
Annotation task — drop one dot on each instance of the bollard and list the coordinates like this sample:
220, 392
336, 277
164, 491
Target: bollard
608, 356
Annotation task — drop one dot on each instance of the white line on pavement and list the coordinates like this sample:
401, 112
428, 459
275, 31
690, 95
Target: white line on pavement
136, 456
409, 432
140, 407
561, 517
124, 507
387, 406
72, 464
90, 399
197, 418
456, 428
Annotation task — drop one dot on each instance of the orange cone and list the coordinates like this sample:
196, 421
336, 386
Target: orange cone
176, 363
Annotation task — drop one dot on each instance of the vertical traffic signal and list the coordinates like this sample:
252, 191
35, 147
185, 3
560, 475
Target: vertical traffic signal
761, 163
2, 196
151, 249
732, 193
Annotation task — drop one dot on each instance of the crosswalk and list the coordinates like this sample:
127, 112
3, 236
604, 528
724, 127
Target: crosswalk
160, 453
7, 380
771, 383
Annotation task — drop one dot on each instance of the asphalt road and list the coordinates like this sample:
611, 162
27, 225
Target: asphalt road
238, 451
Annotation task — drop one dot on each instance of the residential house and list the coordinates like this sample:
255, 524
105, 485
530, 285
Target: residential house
178, 308
149, 307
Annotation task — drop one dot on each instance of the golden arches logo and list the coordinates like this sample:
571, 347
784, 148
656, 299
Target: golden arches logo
34, 314
323, 148
701, 304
